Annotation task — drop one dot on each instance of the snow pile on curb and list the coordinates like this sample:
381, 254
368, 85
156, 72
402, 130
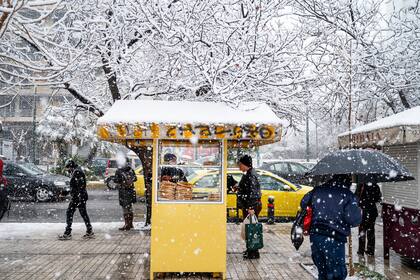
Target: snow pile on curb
47, 230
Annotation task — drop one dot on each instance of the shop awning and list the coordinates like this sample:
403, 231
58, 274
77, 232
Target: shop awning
182, 120
401, 128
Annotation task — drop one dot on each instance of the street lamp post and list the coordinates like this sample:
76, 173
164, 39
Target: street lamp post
34, 126
307, 133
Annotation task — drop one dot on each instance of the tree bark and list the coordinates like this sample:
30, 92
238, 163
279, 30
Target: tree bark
403, 99
145, 153
90, 106
111, 78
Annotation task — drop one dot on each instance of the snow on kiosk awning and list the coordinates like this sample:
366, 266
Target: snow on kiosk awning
142, 120
401, 128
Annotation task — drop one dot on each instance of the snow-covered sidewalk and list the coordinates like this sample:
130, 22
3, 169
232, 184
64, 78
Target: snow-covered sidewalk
49, 230
32, 251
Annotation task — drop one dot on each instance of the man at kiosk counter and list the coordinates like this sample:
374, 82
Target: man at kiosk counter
172, 173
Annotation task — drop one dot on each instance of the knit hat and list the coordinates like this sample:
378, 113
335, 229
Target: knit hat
246, 160
169, 157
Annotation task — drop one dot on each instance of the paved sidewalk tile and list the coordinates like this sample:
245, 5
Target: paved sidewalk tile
125, 255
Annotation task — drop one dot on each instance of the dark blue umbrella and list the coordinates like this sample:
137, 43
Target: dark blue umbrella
367, 165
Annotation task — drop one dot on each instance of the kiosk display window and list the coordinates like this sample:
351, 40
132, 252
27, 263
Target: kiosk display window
190, 172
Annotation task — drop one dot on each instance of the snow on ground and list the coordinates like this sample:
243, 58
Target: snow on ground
46, 230
407, 117
314, 272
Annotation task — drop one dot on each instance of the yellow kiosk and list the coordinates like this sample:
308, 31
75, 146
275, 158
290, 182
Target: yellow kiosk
188, 232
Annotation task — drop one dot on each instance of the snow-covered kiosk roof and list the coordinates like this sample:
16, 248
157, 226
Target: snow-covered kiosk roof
181, 120
401, 128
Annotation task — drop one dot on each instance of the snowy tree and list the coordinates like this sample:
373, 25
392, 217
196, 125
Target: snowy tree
363, 55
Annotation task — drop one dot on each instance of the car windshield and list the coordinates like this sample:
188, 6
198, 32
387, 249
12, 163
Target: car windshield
99, 161
31, 169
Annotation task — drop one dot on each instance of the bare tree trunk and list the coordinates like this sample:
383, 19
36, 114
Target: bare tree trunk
111, 78
145, 153
404, 100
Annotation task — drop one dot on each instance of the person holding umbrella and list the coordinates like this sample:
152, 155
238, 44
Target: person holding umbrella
335, 211
369, 195
364, 166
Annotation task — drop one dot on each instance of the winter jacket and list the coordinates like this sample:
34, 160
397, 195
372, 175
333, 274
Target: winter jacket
2, 179
335, 211
368, 197
125, 178
173, 174
249, 191
78, 185
4, 200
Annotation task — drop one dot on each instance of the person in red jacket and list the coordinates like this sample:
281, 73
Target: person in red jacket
4, 200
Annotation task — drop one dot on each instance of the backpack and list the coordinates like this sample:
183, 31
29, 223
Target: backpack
302, 224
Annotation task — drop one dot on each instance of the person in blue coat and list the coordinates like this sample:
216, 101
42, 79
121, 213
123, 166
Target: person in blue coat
335, 211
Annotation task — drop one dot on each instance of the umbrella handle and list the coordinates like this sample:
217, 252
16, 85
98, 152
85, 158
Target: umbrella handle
351, 265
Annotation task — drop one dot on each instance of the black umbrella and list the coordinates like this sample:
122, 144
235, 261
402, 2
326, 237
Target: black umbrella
367, 165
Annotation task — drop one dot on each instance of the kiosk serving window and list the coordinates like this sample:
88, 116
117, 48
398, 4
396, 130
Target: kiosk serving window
190, 172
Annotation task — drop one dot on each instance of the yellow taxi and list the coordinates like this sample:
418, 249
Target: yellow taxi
139, 184
287, 196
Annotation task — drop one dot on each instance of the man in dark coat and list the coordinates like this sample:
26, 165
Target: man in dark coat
368, 195
249, 195
79, 197
335, 211
125, 178
171, 173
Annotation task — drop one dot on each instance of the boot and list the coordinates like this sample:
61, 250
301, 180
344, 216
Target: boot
125, 227
65, 236
130, 221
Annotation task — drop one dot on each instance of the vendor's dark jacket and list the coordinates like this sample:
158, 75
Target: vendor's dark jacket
78, 185
335, 211
125, 178
174, 174
249, 191
368, 197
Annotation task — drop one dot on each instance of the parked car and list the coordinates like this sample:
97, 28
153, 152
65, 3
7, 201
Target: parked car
26, 180
112, 166
289, 170
98, 166
287, 196
139, 184
308, 164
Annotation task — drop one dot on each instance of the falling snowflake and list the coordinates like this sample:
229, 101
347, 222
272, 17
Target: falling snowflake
194, 140
397, 206
393, 174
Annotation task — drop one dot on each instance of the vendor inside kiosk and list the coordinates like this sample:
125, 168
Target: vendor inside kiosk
188, 231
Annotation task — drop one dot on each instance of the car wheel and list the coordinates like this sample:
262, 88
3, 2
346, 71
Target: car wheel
42, 194
111, 184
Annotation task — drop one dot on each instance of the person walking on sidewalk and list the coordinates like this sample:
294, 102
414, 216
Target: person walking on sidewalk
79, 197
125, 178
368, 197
335, 211
249, 195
